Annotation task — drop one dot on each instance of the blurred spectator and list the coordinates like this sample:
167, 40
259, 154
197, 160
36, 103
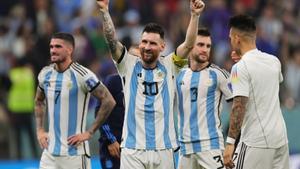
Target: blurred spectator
132, 29
292, 78
216, 18
21, 104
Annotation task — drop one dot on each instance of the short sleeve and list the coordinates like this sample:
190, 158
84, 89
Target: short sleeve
126, 62
90, 81
239, 80
225, 84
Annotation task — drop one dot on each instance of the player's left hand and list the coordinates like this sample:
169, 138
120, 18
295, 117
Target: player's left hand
77, 139
228, 153
197, 6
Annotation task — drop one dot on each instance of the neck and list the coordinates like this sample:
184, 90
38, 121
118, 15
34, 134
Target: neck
197, 66
247, 47
61, 67
149, 65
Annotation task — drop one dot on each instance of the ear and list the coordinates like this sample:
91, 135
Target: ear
163, 46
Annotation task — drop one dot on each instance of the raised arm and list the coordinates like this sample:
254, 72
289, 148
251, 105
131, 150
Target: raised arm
39, 109
107, 104
115, 46
183, 49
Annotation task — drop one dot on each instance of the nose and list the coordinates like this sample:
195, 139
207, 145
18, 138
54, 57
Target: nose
147, 46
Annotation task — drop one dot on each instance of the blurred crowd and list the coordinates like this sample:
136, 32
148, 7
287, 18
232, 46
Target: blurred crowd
26, 26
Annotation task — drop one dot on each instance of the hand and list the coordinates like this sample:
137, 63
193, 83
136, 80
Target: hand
197, 6
235, 57
42, 137
228, 153
77, 139
114, 149
103, 4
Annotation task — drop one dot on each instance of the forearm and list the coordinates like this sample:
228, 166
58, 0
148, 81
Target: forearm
192, 29
237, 116
110, 35
39, 114
190, 38
106, 107
109, 135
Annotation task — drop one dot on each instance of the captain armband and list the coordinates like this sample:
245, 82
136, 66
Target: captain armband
178, 61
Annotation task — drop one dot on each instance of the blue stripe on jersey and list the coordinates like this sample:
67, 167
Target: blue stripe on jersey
210, 111
149, 110
131, 123
166, 105
194, 128
73, 101
46, 85
180, 102
57, 102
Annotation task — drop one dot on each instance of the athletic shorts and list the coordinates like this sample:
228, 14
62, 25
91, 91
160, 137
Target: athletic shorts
211, 159
248, 157
48, 161
147, 159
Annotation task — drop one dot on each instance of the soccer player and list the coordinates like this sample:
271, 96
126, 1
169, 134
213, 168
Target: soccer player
149, 137
63, 92
111, 130
256, 109
200, 89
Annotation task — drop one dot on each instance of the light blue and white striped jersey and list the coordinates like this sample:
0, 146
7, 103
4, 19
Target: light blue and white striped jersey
149, 98
67, 96
199, 95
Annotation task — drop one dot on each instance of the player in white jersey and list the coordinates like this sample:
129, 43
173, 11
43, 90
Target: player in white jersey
200, 89
63, 93
256, 109
149, 136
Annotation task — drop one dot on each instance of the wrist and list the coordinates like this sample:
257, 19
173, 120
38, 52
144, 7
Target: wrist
230, 140
195, 14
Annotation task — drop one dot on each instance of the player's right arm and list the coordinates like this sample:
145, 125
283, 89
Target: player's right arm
39, 109
115, 46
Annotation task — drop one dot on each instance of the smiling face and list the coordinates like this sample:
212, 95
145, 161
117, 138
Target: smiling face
60, 50
201, 50
150, 47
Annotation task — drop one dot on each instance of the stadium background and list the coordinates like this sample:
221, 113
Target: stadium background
26, 25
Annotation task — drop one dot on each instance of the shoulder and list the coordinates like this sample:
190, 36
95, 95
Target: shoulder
79, 69
219, 70
46, 69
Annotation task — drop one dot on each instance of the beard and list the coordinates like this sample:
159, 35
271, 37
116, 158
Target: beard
200, 58
149, 57
57, 59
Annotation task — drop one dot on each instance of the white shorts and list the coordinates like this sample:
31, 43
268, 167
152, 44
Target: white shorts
261, 158
147, 159
212, 159
48, 161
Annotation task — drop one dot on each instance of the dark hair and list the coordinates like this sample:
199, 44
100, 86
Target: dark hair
154, 28
203, 32
64, 36
243, 23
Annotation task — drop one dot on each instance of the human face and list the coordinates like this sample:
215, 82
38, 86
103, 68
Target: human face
60, 50
150, 47
201, 50
234, 41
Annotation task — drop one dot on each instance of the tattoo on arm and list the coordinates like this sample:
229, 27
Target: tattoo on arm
237, 115
107, 104
110, 35
39, 108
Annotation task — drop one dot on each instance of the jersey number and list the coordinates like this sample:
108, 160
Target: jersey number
194, 94
219, 160
150, 88
57, 95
